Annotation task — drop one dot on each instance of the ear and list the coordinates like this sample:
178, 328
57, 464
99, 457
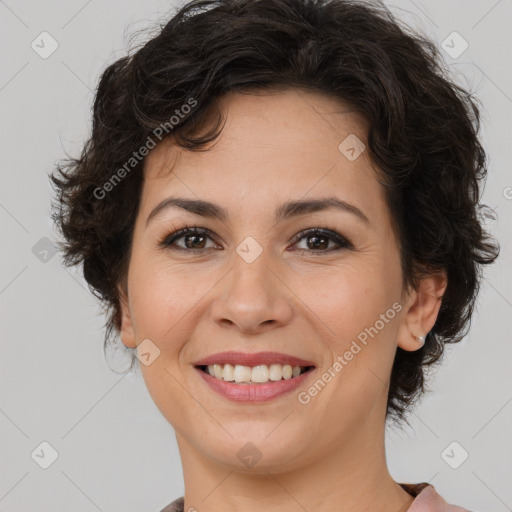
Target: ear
421, 310
127, 330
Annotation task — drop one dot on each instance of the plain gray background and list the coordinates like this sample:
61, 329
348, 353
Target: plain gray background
115, 451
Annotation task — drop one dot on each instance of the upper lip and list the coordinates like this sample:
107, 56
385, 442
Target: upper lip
255, 359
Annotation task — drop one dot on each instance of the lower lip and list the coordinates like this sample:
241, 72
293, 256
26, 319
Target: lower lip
250, 393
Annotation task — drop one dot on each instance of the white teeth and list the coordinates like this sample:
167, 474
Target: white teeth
228, 372
287, 371
217, 371
260, 373
242, 373
276, 372
256, 375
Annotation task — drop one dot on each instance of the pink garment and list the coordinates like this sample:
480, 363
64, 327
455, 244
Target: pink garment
426, 499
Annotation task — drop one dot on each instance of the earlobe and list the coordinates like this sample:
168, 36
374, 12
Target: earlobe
127, 332
422, 312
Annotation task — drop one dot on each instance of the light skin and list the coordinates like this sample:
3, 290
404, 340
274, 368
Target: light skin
311, 302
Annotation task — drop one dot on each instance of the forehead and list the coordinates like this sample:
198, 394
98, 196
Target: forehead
283, 120
273, 144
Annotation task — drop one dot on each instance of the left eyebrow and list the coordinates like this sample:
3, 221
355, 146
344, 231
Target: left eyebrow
285, 211
303, 207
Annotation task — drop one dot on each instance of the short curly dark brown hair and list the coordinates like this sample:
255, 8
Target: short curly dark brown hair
422, 137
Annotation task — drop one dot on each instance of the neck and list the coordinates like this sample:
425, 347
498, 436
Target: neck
346, 477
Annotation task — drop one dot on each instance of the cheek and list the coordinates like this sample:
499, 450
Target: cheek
357, 318
344, 298
165, 298
161, 303
354, 309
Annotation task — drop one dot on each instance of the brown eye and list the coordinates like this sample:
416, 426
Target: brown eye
193, 239
318, 240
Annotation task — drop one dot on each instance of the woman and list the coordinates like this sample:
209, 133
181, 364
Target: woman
279, 206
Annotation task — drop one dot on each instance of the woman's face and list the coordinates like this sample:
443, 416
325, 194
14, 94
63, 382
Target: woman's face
251, 285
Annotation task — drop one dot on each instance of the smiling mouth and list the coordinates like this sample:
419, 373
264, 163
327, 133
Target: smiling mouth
261, 374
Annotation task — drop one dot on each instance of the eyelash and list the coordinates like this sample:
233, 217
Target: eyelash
343, 243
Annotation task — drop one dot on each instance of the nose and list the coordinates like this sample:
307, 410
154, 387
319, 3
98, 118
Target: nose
253, 298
